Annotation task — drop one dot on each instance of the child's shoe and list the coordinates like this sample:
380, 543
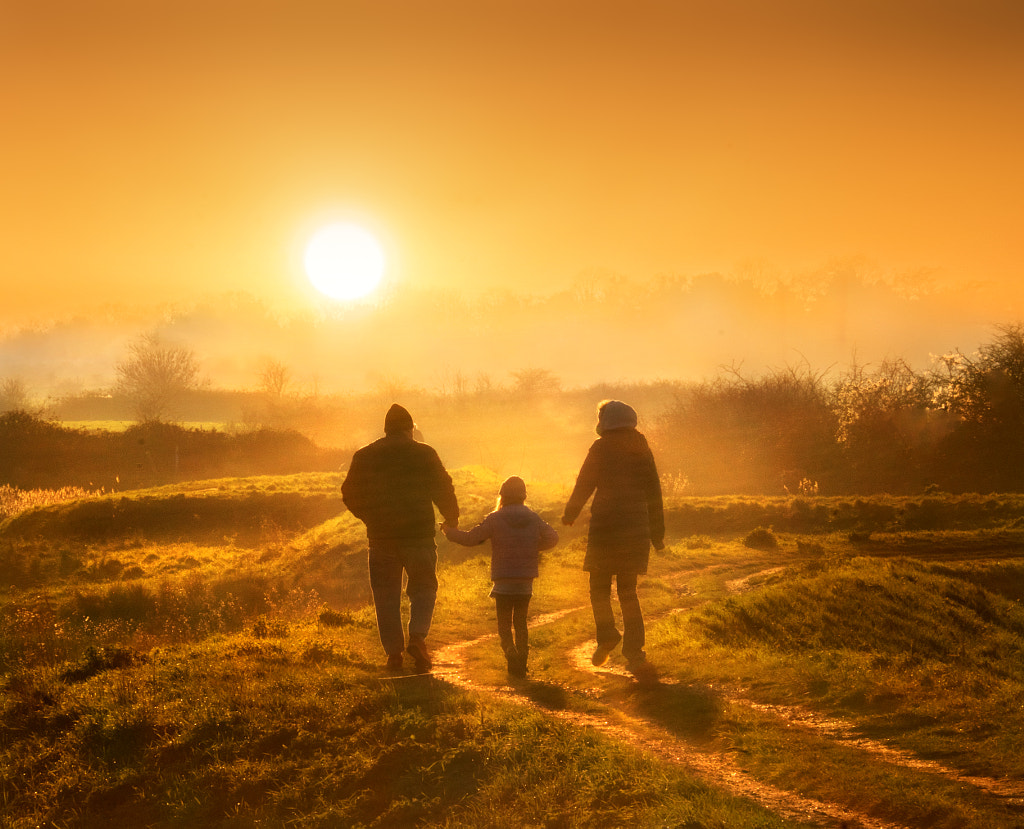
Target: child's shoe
512, 660
517, 666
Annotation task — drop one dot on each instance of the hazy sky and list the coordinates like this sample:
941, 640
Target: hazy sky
154, 151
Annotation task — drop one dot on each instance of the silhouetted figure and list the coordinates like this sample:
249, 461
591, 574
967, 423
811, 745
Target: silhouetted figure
626, 518
392, 486
517, 537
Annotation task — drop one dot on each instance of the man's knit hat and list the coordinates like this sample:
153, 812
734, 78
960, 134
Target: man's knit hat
397, 419
614, 414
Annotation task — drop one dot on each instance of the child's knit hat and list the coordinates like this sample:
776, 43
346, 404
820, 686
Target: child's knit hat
513, 490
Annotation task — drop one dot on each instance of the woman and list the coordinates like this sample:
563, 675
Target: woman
626, 518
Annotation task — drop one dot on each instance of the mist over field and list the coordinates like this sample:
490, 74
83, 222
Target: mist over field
605, 329
745, 383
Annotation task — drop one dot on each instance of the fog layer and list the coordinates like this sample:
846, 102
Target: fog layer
605, 329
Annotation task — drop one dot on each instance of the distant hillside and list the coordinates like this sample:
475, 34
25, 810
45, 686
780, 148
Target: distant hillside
41, 454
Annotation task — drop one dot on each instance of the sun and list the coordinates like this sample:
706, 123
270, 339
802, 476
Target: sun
344, 261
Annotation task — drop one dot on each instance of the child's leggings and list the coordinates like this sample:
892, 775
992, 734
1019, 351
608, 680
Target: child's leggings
512, 614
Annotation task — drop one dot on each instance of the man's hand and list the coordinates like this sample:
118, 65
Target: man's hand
566, 521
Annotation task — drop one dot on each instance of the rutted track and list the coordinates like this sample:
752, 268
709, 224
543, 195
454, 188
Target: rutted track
714, 767
833, 728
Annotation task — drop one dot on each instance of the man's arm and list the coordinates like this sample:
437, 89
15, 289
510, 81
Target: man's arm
443, 494
353, 488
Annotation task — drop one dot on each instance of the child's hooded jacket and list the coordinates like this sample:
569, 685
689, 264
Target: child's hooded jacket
517, 536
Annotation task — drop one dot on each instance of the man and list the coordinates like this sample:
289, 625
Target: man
392, 486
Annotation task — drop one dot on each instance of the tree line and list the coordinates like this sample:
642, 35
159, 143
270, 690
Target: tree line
40, 454
956, 427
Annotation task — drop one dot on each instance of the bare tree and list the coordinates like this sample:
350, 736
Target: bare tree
531, 382
452, 383
275, 377
156, 376
13, 395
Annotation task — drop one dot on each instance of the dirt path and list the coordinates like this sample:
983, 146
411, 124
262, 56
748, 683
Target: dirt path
845, 732
833, 728
714, 767
718, 768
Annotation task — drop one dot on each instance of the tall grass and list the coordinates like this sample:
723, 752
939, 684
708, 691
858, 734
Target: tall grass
14, 500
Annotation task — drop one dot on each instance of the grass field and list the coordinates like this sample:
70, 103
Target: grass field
206, 655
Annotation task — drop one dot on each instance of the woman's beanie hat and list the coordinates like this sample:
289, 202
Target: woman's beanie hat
397, 419
614, 414
513, 490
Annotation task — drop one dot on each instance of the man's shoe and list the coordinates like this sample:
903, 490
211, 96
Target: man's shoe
604, 650
417, 649
395, 662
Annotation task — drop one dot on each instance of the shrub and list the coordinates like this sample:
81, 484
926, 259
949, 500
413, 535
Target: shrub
332, 618
129, 602
761, 539
96, 660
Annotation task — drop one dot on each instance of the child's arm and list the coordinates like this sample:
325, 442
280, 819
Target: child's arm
547, 538
467, 538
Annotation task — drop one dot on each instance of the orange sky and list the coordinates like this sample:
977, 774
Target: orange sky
155, 151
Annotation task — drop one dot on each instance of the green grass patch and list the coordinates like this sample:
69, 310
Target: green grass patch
919, 652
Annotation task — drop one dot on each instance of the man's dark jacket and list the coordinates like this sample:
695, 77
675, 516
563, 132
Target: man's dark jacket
392, 486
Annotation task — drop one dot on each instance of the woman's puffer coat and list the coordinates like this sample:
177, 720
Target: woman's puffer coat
627, 514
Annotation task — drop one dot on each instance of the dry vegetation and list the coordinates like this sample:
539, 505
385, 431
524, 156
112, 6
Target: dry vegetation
14, 500
188, 669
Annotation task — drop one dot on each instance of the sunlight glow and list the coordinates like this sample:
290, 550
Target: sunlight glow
344, 261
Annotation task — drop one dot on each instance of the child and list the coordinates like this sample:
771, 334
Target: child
517, 536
